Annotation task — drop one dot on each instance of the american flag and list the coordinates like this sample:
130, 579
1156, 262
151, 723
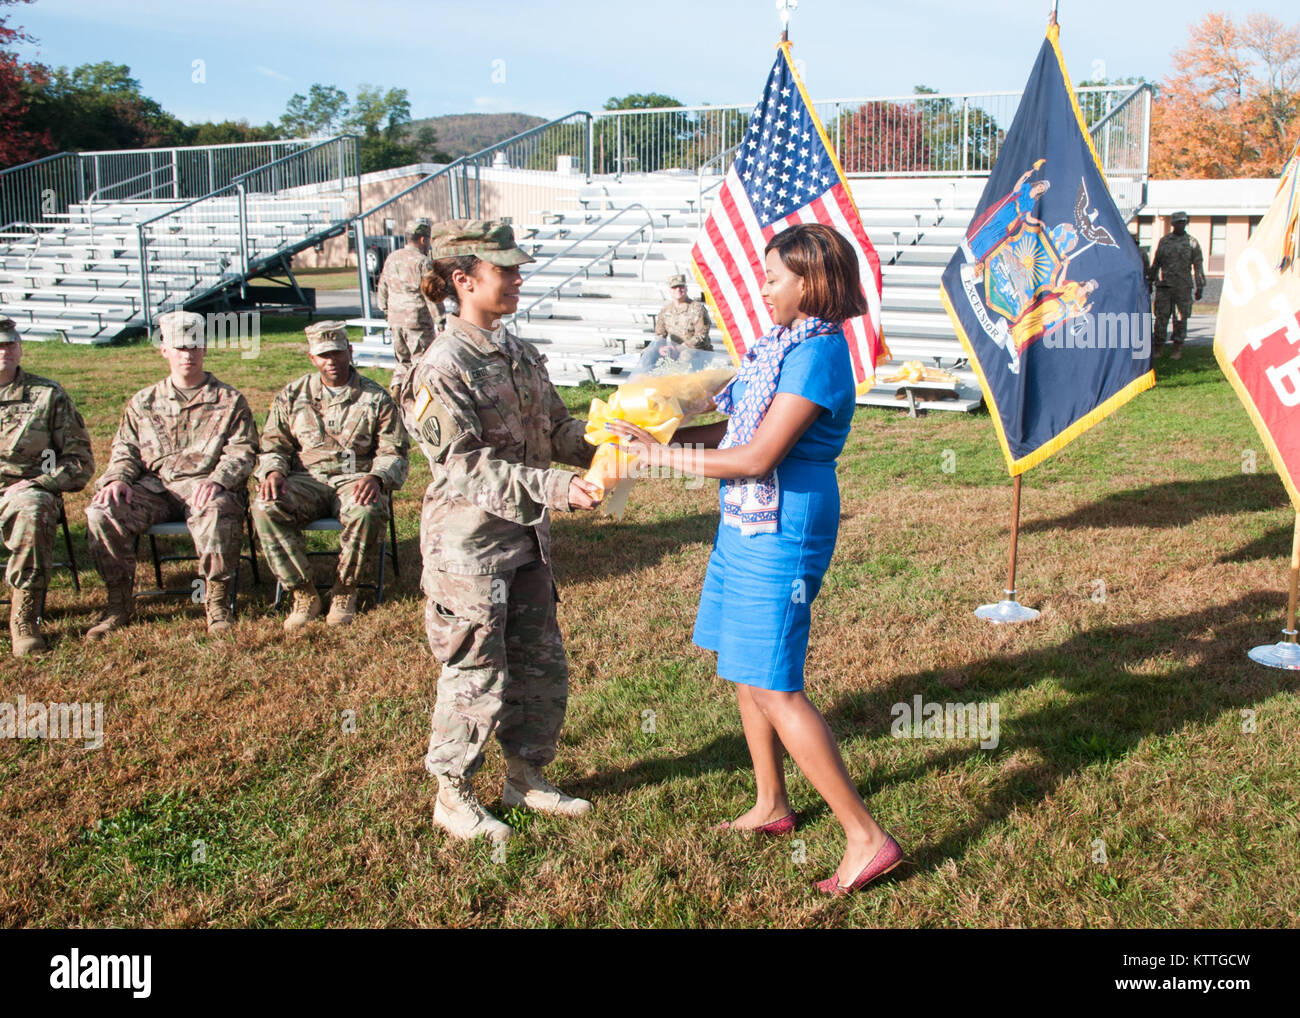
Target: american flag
785, 173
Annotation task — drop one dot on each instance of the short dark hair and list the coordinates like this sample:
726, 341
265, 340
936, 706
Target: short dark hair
824, 260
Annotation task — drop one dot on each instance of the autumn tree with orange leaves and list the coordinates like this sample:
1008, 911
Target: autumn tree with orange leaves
1231, 107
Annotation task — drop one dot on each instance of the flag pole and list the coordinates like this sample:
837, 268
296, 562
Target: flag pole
1009, 609
1287, 653
784, 10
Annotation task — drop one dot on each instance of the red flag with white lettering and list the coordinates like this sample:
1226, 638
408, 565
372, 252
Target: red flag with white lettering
1257, 336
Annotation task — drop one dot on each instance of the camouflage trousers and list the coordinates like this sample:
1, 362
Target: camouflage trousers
1179, 304
217, 531
304, 498
28, 520
504, 667
408, 344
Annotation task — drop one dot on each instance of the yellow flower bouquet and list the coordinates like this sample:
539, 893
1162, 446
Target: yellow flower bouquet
671, 386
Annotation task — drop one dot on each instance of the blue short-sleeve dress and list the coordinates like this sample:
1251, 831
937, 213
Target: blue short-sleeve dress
758, 592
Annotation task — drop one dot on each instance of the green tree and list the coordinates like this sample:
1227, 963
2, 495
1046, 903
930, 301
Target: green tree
98, 106
229, 132
641, 144
322, 111
950, 129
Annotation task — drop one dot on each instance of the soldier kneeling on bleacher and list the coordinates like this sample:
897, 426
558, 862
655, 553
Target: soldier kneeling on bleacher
333, 445
44, 452
183, 451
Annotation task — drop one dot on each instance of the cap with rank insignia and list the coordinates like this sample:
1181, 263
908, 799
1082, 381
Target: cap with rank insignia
326, 337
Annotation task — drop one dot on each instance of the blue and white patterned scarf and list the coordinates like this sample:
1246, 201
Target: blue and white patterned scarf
753, 504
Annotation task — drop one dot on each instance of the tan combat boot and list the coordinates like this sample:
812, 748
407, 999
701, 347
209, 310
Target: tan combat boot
24, 625
217, 603
525, 786
458, 812
121, 602
306, 606
343, 606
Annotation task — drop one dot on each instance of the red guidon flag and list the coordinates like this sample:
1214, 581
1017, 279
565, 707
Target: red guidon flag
785, 173
1257, 336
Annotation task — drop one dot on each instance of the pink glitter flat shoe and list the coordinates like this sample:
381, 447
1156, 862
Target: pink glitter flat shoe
888, 856
775, 829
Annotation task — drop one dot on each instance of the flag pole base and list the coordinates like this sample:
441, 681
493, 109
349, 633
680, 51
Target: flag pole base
1006, 610
1278, 655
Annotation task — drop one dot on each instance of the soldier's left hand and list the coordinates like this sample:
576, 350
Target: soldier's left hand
205, 493
1200, 292
366, 490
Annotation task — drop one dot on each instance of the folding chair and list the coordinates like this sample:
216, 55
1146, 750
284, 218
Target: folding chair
71, 564
181, 529
387, 550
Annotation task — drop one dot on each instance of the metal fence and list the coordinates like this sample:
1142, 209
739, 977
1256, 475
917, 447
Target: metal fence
202, 244
912, 135
43, 190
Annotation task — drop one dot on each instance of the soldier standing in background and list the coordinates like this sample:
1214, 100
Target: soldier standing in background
682, 320
333, 445
409, 318
490, 421
183, 451
44, 452
1174, 270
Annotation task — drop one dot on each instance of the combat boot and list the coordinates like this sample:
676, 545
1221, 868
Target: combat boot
121, 602
343, 606
525, 786
217, 603
458, 812
306, 606
24, 625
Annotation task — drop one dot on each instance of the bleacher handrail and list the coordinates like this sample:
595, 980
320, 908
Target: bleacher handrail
150, 173
336, 140
725, 154
610, 249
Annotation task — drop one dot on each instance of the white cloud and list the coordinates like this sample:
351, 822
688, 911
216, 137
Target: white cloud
272, 73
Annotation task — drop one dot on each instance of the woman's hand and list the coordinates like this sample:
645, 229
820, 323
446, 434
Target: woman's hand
583, 494
638, 442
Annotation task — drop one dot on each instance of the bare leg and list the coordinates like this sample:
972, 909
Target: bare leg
804, 732
767, 753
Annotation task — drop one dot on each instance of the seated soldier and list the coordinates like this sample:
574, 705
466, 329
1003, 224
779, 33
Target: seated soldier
682, 320
183, 451
44, 451
333, 445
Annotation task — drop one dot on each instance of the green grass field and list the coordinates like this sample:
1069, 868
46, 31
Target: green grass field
1146, 773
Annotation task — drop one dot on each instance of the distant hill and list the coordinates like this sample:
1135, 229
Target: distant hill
460, 134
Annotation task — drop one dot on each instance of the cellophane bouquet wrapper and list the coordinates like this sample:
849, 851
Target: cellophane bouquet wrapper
666, 391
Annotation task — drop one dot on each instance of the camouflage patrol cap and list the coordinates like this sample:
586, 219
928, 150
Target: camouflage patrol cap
182, 330
419, 228
677, 280
1178, 217
493, 240
324, 337
9, 331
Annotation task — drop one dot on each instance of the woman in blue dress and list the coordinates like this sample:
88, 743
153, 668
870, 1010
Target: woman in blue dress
789, 408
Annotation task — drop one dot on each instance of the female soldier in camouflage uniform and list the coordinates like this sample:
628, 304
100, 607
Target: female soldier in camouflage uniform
490, 422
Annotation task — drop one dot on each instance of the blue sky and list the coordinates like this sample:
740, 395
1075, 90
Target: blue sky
548, 57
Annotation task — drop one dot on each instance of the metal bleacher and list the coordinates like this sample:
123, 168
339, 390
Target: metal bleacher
104, 267
594, 325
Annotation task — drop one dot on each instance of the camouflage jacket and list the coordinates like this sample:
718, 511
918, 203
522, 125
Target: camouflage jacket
338, 439
163, 442
1179, 258
399, 289
688, 324
42, 436
491, 422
